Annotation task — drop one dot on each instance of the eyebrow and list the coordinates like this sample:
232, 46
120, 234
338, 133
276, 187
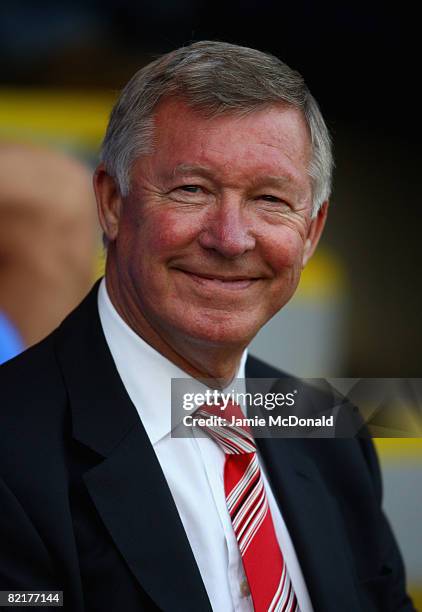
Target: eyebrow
187, 169
273, 181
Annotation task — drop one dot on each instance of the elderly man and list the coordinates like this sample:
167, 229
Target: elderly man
212, 194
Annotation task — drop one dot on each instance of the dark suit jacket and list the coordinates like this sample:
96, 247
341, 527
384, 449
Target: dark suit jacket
85, 508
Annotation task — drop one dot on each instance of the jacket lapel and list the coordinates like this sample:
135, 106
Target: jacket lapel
128, 486
310, 514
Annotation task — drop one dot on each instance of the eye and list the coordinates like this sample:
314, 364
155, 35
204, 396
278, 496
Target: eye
190, 188
269, 198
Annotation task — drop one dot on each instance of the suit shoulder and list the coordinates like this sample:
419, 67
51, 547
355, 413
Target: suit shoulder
34, 428
31, 385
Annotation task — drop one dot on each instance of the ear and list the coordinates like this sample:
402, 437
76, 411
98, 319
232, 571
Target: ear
109, 202
314, 233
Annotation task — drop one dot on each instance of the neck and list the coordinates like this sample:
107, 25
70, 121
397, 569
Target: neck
195, 357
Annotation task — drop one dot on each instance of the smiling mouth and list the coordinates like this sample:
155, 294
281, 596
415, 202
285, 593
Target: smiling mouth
220, 282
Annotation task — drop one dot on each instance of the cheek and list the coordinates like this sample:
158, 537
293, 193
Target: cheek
165, 232
283, 250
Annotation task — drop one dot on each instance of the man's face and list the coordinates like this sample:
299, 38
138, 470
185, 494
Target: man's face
212, 237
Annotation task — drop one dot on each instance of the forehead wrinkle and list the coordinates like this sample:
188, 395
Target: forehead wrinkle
307, 154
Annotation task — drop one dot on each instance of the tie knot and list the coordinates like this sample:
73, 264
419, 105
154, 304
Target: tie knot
227, 427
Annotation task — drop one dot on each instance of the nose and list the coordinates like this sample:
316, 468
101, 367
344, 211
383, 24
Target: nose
227, 231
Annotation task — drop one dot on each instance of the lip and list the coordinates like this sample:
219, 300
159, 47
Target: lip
232, 283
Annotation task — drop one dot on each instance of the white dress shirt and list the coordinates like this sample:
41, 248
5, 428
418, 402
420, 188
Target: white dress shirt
193, 467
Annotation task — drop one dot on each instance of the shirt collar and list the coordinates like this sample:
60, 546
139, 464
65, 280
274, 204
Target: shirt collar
145, 373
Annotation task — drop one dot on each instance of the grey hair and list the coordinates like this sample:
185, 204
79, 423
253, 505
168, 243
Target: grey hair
216, 78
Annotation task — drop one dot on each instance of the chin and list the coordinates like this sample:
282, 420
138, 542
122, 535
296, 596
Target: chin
221, 332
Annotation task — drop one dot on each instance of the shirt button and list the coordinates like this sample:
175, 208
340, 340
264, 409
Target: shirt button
244, 588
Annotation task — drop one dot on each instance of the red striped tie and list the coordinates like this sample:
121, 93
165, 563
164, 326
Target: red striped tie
247, 503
